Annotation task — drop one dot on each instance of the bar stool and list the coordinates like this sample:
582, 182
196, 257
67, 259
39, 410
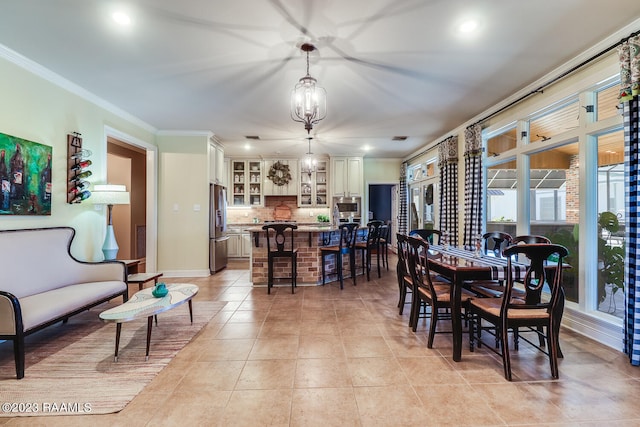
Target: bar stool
371, 245
279, 247
345, 246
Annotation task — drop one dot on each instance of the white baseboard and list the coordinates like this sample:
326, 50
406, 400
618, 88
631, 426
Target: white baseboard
600, 330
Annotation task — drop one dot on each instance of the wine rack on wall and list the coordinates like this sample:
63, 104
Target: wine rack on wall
77, 169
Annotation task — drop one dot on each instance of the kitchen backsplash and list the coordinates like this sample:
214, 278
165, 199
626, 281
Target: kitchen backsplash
265, 213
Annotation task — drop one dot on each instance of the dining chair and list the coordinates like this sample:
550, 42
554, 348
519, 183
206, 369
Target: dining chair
370, 246
346, 246
383, 243
428, 234
427, 291
280, 245
494, 243
538, 312
403, 271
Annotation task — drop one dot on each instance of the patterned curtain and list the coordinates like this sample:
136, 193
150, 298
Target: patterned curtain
472, 183
448, 163
629, 53
403, 201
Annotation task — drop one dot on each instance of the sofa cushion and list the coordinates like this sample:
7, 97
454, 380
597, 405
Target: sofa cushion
41, 308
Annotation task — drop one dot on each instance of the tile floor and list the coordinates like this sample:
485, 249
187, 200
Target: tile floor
331, 357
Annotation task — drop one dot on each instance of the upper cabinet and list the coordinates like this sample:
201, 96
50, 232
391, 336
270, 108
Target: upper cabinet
314, 186
284, 177
217, 173
245, 183
347, 176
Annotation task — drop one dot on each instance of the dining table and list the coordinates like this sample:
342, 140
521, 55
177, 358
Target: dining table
460, 265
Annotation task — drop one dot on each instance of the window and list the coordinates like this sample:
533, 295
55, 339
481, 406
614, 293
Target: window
502, 142
611, 224
554, 191
607, 100
554, 122
502, 197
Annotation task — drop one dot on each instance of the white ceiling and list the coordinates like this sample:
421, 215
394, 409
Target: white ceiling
390, 67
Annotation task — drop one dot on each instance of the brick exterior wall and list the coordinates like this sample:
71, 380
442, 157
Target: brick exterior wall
573, 190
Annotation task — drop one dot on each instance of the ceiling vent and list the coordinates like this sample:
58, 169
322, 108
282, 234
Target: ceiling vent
399, 138
256, 137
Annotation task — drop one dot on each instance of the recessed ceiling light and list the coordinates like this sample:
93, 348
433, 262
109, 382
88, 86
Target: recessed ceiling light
468, 26
121, 18
366, 148
247, 146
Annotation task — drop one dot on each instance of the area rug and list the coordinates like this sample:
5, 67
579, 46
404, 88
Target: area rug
70, 368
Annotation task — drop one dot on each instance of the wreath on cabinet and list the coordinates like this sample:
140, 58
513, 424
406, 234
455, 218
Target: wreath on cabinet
279, 173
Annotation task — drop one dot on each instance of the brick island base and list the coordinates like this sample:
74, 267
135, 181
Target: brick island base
308, 240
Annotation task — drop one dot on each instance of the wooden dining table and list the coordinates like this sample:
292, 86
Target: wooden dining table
460, 265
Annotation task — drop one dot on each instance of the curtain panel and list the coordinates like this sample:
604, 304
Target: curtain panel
448, 163
472, 184
629, 54
403, 200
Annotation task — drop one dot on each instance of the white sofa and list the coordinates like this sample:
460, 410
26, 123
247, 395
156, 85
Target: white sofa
42, 283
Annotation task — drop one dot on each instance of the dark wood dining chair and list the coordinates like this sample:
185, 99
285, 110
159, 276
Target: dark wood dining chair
370, 246
494, 243
427, 291
538, 312
280, 245
383, 243
403, 271
346, 246
430, 235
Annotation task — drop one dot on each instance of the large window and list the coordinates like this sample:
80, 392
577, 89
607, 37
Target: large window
502, 197
554, 198
611, 223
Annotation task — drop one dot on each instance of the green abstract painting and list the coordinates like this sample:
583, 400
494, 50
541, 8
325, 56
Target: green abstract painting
25, 177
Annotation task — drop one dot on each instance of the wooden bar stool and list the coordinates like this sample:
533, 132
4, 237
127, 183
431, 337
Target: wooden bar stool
345, 246
281, 246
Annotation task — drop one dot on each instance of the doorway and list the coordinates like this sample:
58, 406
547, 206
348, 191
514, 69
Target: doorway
383, 206
133, 162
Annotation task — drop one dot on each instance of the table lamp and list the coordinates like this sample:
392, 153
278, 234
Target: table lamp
110, 195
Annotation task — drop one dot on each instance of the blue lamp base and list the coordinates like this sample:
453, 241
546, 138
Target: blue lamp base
110, 246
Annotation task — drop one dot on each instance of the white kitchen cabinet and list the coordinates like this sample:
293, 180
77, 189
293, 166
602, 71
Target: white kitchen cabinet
245, 183
288, 189
234, 246
245, 245
216, 164
314, 186
347, 176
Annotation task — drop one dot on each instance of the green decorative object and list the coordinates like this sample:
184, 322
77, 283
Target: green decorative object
280, 174
160, 290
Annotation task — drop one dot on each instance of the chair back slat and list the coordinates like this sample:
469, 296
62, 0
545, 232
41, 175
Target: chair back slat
419, 264
430, 235
496, 242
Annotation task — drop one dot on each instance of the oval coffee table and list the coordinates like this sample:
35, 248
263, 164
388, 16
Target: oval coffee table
144, 304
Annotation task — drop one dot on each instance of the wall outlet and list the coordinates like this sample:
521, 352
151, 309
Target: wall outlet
246, 214
311, 213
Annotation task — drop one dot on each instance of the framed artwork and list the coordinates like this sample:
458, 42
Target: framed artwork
25, 177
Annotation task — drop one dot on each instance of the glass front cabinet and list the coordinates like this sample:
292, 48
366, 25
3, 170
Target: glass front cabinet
314, 185
246, 183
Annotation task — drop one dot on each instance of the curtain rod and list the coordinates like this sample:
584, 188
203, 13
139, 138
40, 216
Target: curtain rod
538, 90
557, 78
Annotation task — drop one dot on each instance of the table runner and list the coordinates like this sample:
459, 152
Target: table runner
498, 265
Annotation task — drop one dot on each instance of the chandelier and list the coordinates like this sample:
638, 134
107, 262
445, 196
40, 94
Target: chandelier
308, 101
309, 163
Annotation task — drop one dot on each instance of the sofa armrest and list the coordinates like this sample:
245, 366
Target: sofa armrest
10, 314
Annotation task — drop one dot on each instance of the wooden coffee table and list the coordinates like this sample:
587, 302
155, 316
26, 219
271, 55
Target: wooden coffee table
144, 304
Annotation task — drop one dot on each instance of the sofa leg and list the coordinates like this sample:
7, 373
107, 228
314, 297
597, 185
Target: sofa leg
18, 352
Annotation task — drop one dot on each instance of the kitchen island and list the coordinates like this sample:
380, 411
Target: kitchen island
308, 239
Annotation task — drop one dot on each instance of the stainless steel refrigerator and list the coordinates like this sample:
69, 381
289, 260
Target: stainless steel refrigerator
217, 228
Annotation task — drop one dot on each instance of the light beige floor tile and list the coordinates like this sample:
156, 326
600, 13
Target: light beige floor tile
376, 371
227, 349
390, 406
220, 375
320, 346
252, 408
267, 374
239, 331
309, 408
364, 346
316, 373
277, 347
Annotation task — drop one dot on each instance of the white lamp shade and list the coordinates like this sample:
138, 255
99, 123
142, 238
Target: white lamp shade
109, 194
